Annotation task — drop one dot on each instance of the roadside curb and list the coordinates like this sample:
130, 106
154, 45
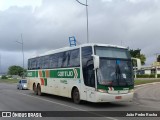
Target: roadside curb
146, 84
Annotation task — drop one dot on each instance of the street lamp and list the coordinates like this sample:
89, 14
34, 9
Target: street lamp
86, 16
22, 53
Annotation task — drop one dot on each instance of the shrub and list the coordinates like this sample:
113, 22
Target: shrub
4, 77
146, 76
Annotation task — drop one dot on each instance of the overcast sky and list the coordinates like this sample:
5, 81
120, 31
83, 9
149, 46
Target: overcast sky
47, 24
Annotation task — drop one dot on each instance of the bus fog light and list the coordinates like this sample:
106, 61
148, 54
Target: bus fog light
102, 91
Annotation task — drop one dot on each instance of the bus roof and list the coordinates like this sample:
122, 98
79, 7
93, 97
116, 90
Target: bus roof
75, 47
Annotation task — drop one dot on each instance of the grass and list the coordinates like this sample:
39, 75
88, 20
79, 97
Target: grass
10, 81
139, 82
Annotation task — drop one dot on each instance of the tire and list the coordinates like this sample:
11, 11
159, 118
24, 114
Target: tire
76, 96
39, 90
21, 87
35, 89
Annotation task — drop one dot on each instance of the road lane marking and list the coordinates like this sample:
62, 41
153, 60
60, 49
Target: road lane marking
111, 118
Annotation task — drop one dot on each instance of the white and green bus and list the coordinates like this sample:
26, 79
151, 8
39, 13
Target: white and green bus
89, 72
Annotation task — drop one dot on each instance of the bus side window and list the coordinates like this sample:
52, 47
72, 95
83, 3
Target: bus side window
65, 59
39, 63
60, 59
74, 60
46, 62
87, 65
29, 64
33, 63
53, 61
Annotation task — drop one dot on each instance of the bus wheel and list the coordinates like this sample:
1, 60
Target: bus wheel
39, 90
35, 89
76, 96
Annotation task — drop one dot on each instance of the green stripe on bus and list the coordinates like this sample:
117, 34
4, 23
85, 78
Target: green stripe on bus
45, 81
43, 73
65, 73
31, 73
36, 73
61, 73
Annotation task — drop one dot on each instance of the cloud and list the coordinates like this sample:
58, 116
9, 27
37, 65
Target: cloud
133, 23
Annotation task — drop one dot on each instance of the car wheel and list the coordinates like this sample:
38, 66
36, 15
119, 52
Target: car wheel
21, 87
76, 96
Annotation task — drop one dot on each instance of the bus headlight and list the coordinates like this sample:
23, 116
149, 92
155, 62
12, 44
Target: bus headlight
102, 91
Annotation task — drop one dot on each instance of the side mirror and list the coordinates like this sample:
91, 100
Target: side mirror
138, 63
96, 61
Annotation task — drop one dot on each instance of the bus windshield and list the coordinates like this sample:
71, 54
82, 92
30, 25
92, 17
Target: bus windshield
115, 67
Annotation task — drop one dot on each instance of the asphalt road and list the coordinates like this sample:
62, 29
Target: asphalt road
146, 98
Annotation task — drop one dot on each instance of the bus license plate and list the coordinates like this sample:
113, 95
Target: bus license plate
118, 97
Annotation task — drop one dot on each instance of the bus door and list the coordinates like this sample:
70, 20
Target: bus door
90, 83
88, 73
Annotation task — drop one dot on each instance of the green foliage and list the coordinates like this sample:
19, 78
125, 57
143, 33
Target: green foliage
158, 76
137, 54
4, 77
146, 76
138, 82
15, 70
158, 58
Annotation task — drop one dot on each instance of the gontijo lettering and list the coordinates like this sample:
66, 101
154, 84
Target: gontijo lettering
65, 73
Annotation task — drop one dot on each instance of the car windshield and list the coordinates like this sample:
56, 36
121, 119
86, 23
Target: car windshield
24, 81
115, 67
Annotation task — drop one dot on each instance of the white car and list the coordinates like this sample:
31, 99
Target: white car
22, 84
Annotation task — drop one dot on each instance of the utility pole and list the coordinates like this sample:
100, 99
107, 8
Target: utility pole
87, 17
22, 52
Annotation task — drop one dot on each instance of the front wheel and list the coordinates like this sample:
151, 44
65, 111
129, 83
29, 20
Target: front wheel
76, 96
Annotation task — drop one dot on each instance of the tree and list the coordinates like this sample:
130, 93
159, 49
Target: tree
137, 54
158, 58
15, 70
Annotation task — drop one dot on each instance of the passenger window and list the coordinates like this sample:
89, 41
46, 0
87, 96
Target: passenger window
60, 59
87, 65
33, 63
74, 60
45, 62
65, 59
29, 64
39, 64
53, 61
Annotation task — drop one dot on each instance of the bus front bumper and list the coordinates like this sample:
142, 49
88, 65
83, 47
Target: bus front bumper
106, 97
